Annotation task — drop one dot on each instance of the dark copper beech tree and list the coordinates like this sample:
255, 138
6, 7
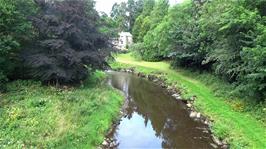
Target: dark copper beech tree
68, 46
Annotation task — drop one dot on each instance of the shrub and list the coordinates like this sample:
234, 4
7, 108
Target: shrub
137, 50
69, 46
15, 32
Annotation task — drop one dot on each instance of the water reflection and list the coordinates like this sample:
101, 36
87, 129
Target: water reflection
154, 119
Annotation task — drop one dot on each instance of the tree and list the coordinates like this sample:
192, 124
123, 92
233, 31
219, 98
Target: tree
159, 11
15, 32
125, 13
225, 37
151, 33
120, 16
235, 33
69, 46
175, 36
108, 26
148, 7
135, 7
142, 24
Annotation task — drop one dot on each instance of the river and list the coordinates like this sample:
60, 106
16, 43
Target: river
154, 119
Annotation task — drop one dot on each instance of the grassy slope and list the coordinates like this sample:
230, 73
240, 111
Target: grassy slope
240, 129
32, 115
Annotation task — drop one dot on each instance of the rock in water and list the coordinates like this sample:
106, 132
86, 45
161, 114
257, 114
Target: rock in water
189, 105
193, 114
198, 115
214, 145
177, 96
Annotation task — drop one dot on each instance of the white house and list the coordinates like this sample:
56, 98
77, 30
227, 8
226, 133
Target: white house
125, 39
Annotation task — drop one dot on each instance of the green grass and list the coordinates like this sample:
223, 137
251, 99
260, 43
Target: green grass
240, 129
37, 116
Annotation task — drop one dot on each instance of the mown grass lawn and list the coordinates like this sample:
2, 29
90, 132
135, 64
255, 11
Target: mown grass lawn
240, 129
37, 116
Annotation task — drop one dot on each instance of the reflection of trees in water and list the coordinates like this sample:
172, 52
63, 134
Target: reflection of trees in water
168, 119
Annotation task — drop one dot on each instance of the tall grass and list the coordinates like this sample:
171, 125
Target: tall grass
33, 115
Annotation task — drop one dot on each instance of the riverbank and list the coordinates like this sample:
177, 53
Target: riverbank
33, 115
238, 128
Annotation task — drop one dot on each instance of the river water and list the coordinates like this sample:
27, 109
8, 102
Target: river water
154, 119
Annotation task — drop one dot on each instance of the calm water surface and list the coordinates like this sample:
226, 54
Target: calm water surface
154, 119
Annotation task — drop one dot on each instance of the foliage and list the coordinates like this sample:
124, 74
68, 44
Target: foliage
186, 37
145, 27
233, 42
125, 14
137, 50
119, 15
146, 32
15, 31
225, 37
109, 27
36, 116
134, 8
69, 46
142, 24
159, 11
253, 81
137, 28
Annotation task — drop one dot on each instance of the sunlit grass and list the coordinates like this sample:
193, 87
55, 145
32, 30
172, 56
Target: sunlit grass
240, 129
33, 115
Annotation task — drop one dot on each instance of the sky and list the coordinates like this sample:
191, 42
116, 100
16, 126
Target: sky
106, 5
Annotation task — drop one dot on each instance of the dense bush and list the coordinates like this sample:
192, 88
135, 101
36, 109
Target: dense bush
137, 49
234, 44
15, 31
227, 37
69, 45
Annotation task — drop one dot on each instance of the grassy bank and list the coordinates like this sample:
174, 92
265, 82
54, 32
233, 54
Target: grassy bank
241, 129
32, 115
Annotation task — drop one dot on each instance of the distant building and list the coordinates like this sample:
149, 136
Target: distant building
124, 40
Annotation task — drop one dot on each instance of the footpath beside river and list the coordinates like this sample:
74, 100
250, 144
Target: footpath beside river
239, 129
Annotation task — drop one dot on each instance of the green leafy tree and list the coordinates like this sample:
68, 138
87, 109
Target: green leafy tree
176, 36
137, 28
150, 32
253, 76
108, 26
120, 16
15, 32
125, 14
159, 11
134, 8
143, 23
225, 37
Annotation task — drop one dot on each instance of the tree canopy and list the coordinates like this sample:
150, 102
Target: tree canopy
52, 41
125, 14
69, 45
224, 37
